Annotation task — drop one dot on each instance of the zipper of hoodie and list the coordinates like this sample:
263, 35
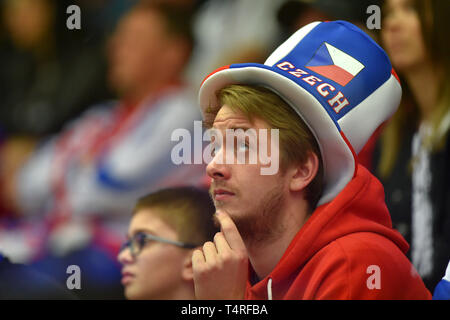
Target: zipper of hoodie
269, 289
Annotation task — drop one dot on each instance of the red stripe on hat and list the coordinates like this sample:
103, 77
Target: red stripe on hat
217, 70
355, 159
395, 75
333, 72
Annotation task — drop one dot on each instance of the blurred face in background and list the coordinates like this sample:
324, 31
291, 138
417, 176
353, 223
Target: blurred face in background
159, 270
136, 52
402, 35
28, 22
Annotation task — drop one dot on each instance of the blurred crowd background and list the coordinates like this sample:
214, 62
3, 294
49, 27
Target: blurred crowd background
86, 117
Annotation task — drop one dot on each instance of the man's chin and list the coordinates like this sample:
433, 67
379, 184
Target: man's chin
229, 208
234, 213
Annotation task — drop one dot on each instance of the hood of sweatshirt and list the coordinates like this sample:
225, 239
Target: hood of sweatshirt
359, 207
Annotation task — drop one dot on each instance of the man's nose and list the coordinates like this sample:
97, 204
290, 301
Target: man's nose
217, 169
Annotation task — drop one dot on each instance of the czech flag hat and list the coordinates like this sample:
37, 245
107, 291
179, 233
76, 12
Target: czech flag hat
339, 81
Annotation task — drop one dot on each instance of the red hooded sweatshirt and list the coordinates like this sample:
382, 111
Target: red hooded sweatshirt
346, 250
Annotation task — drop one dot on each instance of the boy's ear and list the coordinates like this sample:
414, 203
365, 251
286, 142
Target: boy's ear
303, 174
187, 273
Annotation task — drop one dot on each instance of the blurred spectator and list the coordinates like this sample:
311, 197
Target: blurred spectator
165, 229
234, 31
294, 14
86, 179
414, 150
45, 77
100, 17
22, 282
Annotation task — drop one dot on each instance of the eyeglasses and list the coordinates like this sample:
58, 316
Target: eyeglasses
139, 240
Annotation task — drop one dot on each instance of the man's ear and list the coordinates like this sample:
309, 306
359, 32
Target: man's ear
303, 174
187, 273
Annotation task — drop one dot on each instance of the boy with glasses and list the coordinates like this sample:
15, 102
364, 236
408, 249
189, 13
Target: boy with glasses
165, 228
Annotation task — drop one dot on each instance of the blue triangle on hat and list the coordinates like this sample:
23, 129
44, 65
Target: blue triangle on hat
321, 57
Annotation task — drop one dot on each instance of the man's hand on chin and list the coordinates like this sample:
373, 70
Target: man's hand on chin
221, 267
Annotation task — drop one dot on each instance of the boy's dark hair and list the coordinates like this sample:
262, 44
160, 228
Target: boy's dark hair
189, 210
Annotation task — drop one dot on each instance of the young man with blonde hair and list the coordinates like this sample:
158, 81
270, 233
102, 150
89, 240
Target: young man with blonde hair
318, 228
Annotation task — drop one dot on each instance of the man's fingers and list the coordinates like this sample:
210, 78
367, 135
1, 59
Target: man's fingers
210, 252
230, 231
198, 259
222, 245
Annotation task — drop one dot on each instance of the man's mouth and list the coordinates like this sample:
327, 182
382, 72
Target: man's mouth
222, 194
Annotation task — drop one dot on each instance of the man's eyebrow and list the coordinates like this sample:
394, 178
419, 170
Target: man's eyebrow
243, 127
234, 127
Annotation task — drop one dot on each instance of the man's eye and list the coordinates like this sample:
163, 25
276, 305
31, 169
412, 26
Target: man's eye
215, 147
243, 146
